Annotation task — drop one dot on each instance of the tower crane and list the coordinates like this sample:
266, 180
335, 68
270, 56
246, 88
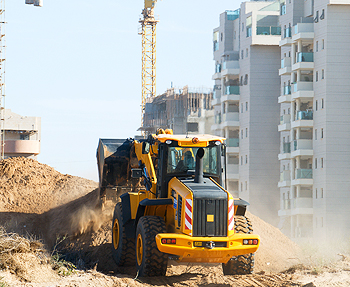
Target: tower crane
148, 31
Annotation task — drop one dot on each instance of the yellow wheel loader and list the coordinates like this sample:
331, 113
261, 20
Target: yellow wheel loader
173, 204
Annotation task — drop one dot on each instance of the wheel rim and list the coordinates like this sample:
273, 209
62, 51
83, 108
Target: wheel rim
116, 234
139, 249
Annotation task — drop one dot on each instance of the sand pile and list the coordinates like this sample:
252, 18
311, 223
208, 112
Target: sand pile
27, 186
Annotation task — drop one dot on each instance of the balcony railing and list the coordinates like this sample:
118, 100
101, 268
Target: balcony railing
270, 30
288, 32
286, 204
302, 144
285, 175
304, 115
303, 27
287, 90
303, 173
285, 62
231, 116
233, 142
232, 90
303, 86
285, 119
218, 68
286, 147
305, 57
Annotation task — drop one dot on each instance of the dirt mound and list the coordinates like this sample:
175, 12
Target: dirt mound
27, 186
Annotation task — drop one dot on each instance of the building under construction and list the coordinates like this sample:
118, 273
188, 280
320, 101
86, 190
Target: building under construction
184, 110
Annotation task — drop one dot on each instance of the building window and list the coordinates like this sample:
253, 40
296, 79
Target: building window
246, 53
242, 27
241, 107
242, 54
315, 134
288, 111
241, 160
316, 76
322, 44
241, 186
246, 132
192, 127
234, 35
246, 106
322, 74
322, 133
321, 195
321, 162
315, 163
322, 15
316, 105
316, 46
246, 79
316, 193
246, 185
241, 81
246, 159
241, 134
322, 103
221, 36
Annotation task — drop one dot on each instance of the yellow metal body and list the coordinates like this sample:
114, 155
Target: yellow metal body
148, 32
185, 247
187, 251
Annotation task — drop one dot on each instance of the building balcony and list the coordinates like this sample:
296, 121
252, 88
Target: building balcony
304, 61
285, 152
284, 123
232, 172
303, 31
287, 33
302, 177
301, 205
230, 68
230, 98
268, 30
303, 119
232, 90
284, 99
232, 142
217, 75
216, 94
303, 90
19, 147
286, 66
216, 101
230, 120
302, 147
284, 179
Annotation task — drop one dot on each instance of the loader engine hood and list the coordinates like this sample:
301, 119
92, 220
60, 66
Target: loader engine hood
209, 208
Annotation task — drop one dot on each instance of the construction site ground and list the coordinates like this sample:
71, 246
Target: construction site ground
52, 234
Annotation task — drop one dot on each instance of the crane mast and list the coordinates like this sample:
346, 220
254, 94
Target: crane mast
148, 32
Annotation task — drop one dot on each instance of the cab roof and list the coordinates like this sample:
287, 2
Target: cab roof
189, 140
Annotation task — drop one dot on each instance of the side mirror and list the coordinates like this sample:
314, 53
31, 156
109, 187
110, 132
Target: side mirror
223, 150
145, 148
136, 172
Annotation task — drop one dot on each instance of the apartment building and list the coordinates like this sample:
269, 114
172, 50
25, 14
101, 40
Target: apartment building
185, 111
22, 135
246, 90
315, 118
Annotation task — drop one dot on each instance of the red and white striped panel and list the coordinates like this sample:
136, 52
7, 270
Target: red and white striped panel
188, 214
231, 215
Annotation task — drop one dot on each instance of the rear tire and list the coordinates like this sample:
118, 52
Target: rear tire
123, 249
242, 264
149, 260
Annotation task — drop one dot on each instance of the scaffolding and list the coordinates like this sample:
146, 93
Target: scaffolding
2, 78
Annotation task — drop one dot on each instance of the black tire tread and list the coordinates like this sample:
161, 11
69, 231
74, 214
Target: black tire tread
242, 264
154, 262
127, 257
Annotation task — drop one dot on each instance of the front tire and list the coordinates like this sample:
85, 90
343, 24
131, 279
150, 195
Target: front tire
242, 264
123, 249
149, 260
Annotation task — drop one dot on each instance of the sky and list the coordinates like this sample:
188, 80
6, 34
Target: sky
77, 65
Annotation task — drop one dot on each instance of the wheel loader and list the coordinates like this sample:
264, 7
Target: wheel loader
174, 205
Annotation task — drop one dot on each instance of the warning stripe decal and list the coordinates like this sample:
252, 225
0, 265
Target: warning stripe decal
231, 221
188, 214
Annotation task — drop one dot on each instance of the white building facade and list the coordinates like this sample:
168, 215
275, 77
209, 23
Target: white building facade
246, 90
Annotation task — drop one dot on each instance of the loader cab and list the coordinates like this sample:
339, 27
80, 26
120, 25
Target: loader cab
180, 161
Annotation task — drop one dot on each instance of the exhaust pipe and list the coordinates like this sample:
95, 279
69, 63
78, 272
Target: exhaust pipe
198, 176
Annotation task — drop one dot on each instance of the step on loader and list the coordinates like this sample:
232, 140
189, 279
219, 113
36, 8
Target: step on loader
172, 204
